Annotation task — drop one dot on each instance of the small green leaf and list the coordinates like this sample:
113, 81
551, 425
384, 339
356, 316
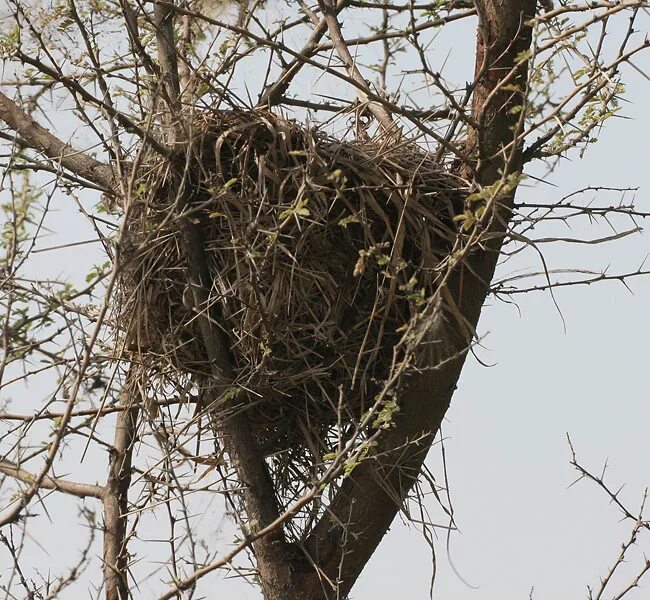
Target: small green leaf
345, 221
300, 210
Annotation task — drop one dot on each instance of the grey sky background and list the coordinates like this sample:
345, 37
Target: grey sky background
521, 526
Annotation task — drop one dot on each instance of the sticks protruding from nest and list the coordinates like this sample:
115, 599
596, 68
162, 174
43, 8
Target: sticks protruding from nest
320, 252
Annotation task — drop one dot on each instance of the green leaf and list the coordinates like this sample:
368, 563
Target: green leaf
345, 221
300, 210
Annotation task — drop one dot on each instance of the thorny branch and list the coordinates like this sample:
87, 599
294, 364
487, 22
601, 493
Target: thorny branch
639, 525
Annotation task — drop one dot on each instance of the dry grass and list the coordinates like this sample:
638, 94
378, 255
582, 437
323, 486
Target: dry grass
320, 251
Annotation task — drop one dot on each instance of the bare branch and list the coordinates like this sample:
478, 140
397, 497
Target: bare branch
116, 495
73, 488
41, 139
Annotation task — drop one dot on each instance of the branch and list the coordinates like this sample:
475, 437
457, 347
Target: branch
505, 287
414, 113
640, 524
350, 452
116, 495
55, 444
81, 565
613, 495
273, 93
92, 412
81, 490
378, 111
39, 138
76, 88
164, 24
276, 571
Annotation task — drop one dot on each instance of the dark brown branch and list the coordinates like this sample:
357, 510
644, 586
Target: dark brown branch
505, 287
334, 470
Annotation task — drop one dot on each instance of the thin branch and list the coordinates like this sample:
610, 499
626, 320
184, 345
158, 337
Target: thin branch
378, 111
116, 495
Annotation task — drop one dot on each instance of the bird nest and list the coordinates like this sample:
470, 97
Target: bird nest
320, 251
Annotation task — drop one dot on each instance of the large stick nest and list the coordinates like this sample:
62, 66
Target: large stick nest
320, 251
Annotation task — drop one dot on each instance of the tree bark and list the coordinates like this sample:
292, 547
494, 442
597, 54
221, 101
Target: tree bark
36, 136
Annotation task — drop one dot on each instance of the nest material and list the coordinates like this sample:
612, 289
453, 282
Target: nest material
320, 252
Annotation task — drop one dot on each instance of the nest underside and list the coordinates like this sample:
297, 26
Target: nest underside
320, 252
